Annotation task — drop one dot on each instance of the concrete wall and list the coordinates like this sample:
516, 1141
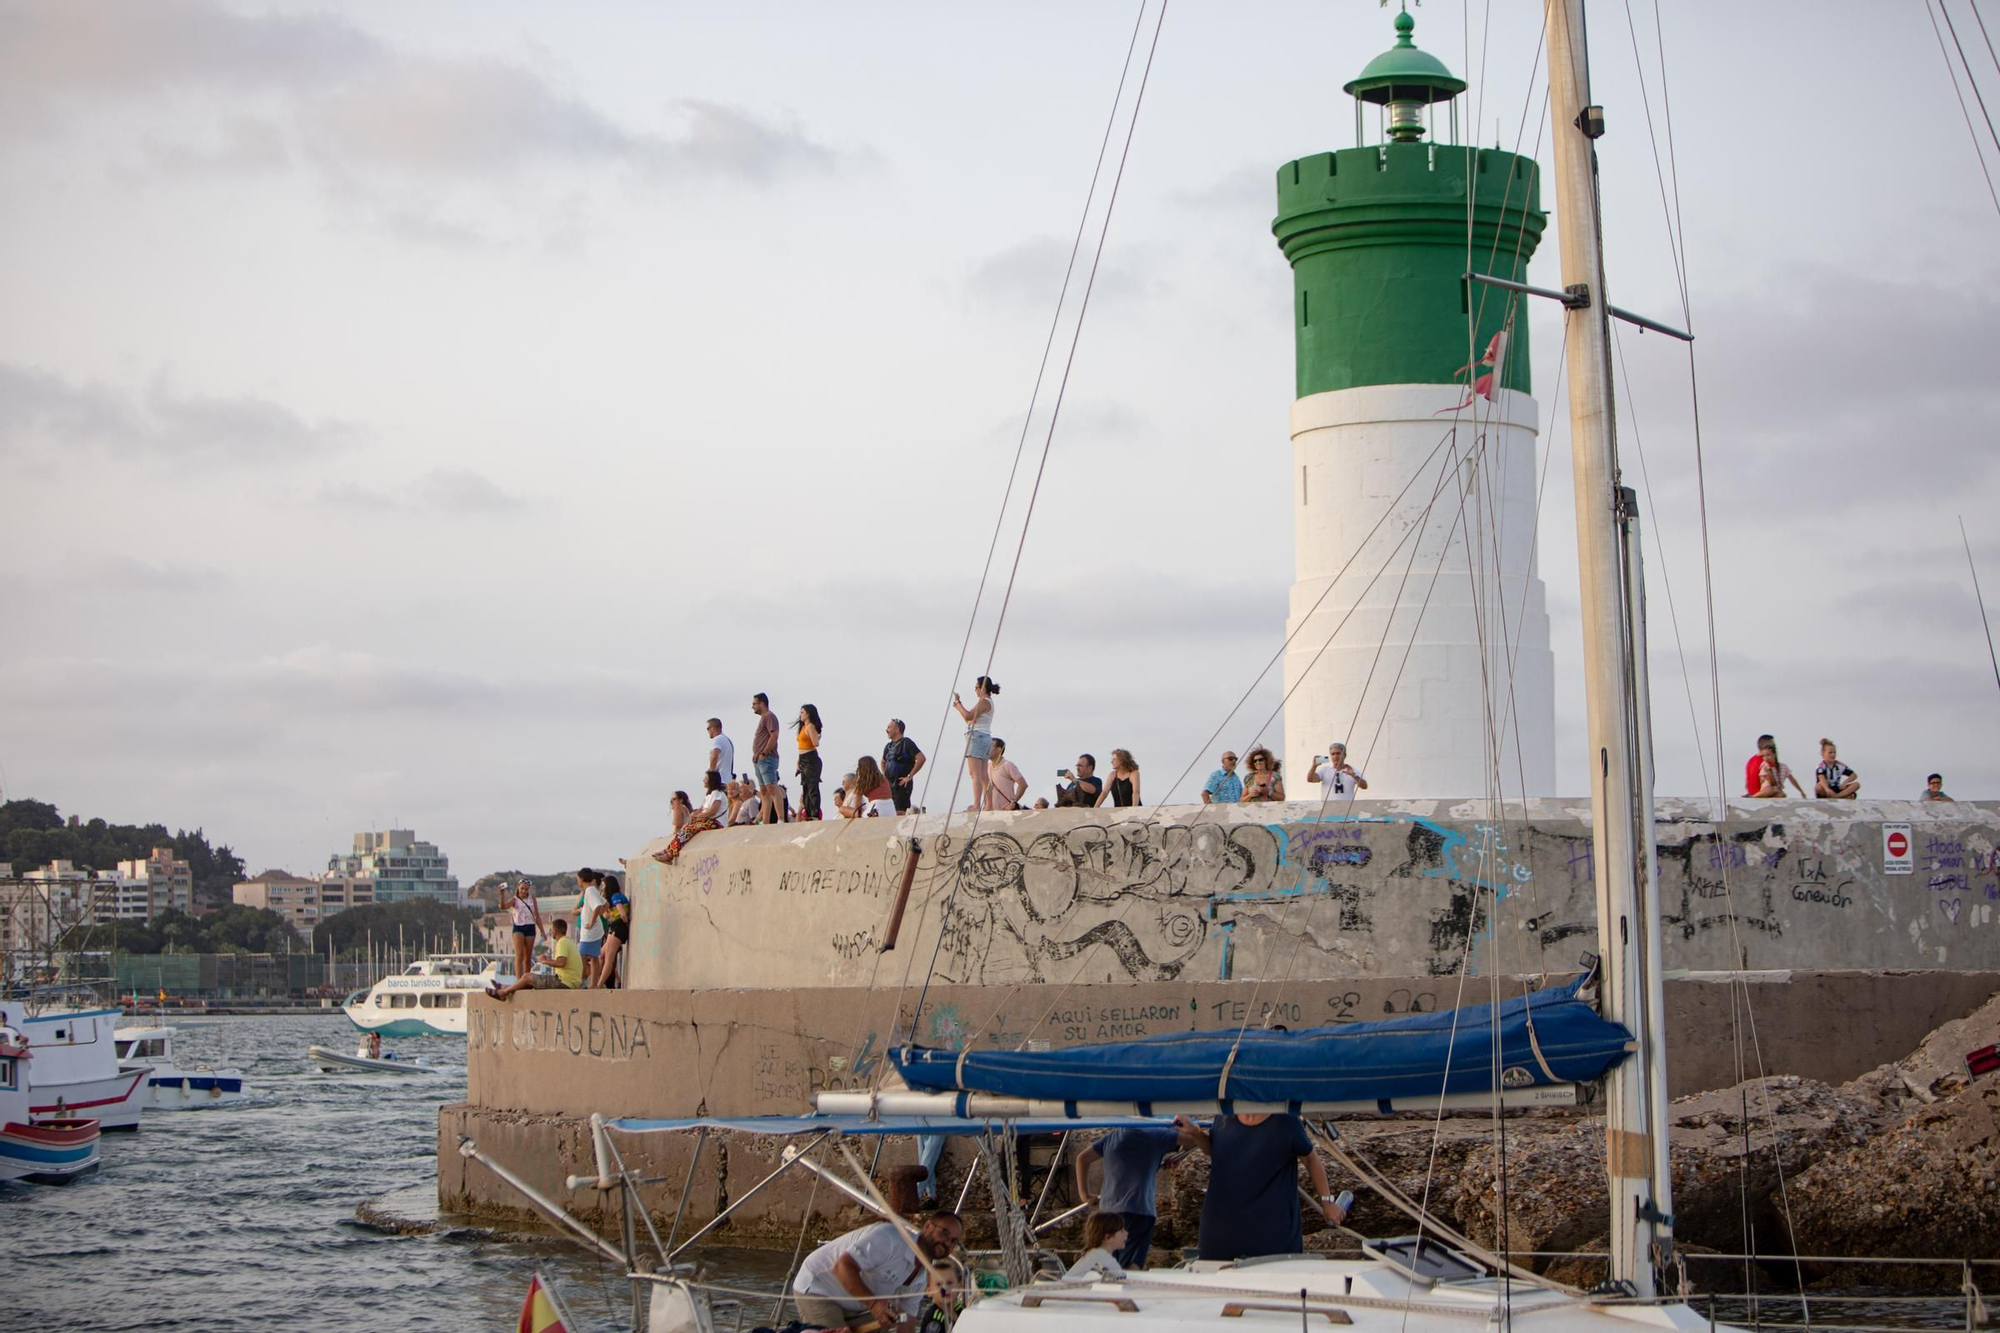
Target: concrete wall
539, 1064
1406, 889
679, 1053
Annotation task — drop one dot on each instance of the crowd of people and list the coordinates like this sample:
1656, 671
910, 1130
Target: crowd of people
1766, 775
885, 785
590, 959
875, 1277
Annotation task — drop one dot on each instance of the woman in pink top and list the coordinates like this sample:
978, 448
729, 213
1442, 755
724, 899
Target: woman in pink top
527, 917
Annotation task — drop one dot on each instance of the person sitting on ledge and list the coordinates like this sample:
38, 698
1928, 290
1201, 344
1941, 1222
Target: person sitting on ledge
688, 821
1934, 789
1834, 780
869, 1276
565, 967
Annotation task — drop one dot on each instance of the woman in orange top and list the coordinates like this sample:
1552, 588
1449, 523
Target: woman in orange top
809, 767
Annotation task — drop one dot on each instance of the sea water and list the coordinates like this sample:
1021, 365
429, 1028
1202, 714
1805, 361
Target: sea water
243, 1217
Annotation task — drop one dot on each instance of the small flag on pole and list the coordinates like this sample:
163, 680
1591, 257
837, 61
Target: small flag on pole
1483, 385
541, 1312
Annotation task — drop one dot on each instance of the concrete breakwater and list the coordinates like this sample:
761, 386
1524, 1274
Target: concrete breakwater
758, 976
1378, 889
539, 1064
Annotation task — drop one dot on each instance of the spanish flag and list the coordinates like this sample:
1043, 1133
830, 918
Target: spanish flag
541, 1312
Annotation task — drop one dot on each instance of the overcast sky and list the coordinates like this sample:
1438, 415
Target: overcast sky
425, 414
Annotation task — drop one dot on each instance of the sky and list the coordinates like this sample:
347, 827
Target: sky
425, 414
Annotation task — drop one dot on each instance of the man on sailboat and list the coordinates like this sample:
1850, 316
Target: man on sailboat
1251, 1207
870, 1273
1132, 1160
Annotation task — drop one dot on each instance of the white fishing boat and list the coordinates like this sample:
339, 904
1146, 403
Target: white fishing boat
44, 1152
75, 1070
362, 1060
427, 998
171, 1086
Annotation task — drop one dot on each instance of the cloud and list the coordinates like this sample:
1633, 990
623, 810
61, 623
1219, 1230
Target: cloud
1030, 273
1249, 188
57, 57
459, 491
45, 415
241, 146
1821, 377
1927, 604
356, 106
111, 574
318, 680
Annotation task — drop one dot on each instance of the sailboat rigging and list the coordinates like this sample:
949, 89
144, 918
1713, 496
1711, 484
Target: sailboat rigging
1543, 1044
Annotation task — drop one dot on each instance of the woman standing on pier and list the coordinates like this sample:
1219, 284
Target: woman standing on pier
978, 736
809, 768
527, 918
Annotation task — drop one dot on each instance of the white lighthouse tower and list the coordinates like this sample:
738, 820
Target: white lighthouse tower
1419, 632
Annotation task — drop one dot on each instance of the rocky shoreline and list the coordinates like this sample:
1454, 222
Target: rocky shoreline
1903, 1161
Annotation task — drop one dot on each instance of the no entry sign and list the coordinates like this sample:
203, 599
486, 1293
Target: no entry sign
1896, 857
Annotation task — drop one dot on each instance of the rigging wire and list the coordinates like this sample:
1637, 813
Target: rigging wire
1945, 8
1666, 576
1973, 5
1048, 441
1978, 150
1984, 622
1035, 394
941, 842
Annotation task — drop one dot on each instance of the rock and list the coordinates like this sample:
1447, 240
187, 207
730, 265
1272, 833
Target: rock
1927, 1187
1557, 1197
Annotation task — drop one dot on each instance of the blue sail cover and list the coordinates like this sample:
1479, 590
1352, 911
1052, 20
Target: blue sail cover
1410, 1057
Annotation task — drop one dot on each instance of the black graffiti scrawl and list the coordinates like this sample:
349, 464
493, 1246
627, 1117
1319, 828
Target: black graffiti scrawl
1136, 889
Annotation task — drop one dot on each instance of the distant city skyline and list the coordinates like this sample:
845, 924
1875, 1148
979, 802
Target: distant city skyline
428, 416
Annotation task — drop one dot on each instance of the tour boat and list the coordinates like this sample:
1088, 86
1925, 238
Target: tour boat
48, 1152
76, 1070
169, 1086
428, 997
360, 1061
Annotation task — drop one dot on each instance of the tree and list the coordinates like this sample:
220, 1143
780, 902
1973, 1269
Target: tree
32, 834
427, 926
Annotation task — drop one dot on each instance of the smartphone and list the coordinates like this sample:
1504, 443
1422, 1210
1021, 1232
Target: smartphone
1319, 759
1062, 772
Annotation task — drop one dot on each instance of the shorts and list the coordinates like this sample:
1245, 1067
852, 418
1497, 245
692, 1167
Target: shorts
619, 930
529, 931
978, 744
549, 981
767, 770
590, 948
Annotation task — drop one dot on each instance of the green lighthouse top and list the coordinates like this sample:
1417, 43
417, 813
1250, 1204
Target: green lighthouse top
1405, 74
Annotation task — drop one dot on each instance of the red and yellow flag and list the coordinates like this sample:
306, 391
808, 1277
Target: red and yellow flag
541, 1313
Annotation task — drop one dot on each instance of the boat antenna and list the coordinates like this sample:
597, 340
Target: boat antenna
1981, 597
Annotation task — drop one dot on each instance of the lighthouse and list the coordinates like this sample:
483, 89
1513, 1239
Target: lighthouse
1418, 633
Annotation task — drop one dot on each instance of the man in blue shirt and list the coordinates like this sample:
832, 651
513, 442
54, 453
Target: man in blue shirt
1251, 1207
1223, 786
1132, 1160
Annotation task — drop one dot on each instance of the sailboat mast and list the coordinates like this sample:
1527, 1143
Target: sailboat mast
1614, 678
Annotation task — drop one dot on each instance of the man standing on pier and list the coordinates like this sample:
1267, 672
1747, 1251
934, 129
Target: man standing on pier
901, 761
764, 759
